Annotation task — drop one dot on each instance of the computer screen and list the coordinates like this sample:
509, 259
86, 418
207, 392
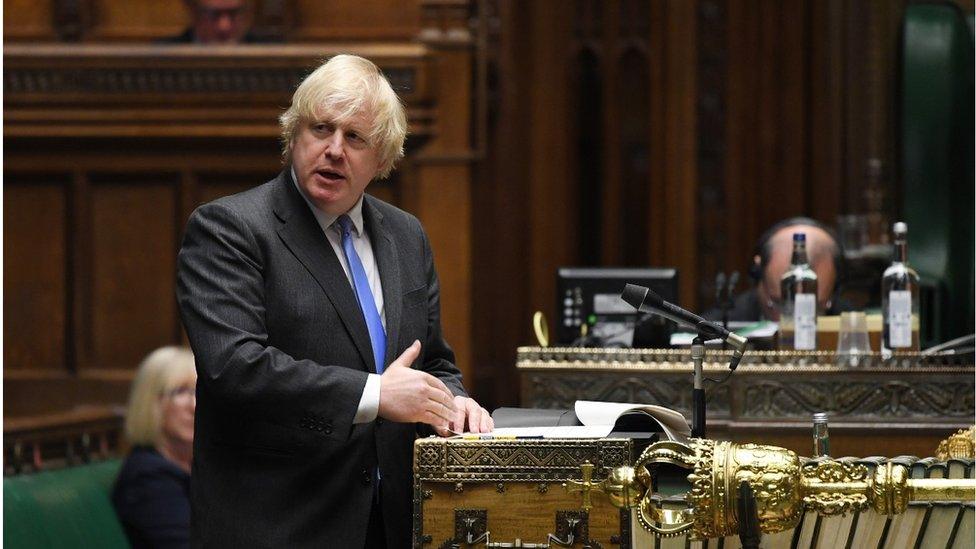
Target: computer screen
591, 296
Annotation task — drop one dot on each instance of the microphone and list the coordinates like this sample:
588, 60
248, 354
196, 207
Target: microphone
719, 287
643, 299
733, 281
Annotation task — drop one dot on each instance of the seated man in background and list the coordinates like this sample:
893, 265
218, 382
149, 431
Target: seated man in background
772, 259
152, 493
216, 22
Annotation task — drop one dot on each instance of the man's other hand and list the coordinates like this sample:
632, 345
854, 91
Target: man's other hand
412, 396
469, 417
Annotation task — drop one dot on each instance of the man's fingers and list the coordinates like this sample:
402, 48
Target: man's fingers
477, 418
437, 421
459, 413
441, 393
487, 424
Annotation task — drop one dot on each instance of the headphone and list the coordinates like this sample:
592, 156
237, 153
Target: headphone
763, 250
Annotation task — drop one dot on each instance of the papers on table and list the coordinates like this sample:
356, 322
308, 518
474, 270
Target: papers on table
599, 419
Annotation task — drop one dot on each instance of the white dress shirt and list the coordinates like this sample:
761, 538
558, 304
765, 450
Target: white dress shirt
369, 403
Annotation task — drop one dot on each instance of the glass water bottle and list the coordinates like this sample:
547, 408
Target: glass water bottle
899, 298
798, 318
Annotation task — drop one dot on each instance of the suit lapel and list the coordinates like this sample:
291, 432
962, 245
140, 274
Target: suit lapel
302, 234
387, 261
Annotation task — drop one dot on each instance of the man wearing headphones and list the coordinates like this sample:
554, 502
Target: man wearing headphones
772, 259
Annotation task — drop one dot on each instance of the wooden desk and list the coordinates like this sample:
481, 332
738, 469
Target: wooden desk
900, 407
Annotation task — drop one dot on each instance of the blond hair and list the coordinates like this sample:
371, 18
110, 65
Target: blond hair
163, 370
347, 85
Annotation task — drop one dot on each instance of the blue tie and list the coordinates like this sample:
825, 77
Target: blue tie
374, 323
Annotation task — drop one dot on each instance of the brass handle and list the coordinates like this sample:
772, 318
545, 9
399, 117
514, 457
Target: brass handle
541, 328
571, 524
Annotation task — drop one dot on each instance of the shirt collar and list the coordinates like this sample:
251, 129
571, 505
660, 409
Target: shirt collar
327, 220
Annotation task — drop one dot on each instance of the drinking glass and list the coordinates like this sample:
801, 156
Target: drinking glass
852, 341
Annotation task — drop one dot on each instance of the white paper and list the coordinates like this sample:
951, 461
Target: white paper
805, 322
560, 431
598, 419
606, 414
899, 318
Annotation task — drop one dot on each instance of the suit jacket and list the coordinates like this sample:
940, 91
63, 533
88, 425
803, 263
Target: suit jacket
283, 353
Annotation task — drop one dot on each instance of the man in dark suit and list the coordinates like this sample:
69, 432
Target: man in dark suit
313, 310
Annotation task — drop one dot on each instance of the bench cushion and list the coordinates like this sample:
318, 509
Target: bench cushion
67, 508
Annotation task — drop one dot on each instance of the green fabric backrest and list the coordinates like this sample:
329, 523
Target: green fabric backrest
68, 508
936, 165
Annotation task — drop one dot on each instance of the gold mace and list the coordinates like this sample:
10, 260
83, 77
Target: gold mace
783, 487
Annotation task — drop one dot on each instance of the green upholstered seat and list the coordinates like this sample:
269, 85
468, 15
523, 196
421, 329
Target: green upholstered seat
66, 508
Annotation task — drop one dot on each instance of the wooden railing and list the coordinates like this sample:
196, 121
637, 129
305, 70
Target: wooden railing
62, 439
60, 90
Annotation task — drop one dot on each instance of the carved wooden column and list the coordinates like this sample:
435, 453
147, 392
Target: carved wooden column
439, 191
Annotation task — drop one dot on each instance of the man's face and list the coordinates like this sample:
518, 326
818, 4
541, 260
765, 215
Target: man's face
334, 162
220, 21
770, 290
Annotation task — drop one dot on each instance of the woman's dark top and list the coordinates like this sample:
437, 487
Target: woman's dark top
152, 499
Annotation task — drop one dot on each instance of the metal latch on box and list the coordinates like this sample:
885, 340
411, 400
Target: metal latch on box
471, 529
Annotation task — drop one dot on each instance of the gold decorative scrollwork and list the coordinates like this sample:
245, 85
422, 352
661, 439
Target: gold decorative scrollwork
832, 472
959, 445
782, 488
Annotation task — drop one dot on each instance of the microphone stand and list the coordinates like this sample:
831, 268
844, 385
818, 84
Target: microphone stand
643, 299
698, 393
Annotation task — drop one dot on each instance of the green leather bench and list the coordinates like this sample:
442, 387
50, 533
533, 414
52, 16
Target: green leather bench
67, 508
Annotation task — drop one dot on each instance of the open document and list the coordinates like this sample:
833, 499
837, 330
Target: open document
599, 419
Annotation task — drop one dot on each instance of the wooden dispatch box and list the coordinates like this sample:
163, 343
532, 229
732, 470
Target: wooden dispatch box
511, 492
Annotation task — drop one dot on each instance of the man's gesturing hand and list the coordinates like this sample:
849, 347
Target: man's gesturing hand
410, 396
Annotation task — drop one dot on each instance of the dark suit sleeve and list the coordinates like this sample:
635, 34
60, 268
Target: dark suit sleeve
220, 289
439, 358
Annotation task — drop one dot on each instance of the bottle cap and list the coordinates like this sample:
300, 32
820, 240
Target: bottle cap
900, 228
799, 237
820, 417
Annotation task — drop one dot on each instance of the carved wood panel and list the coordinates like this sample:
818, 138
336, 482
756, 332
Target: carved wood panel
136, 137
35, 283
134, 230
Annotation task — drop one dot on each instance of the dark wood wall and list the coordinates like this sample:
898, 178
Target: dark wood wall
113, 21
110, 142
546, 133
670, 133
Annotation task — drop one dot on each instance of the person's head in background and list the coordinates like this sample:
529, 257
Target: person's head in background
162, 403
775, 252
219, 21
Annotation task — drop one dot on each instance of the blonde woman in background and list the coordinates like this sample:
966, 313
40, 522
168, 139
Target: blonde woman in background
152, 493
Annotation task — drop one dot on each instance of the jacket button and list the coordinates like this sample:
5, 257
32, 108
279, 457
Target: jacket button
328, 428
367, 478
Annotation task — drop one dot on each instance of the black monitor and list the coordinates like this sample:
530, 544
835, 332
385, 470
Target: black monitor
591, 296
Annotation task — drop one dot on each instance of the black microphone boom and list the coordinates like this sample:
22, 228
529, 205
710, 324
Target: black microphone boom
645, 300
